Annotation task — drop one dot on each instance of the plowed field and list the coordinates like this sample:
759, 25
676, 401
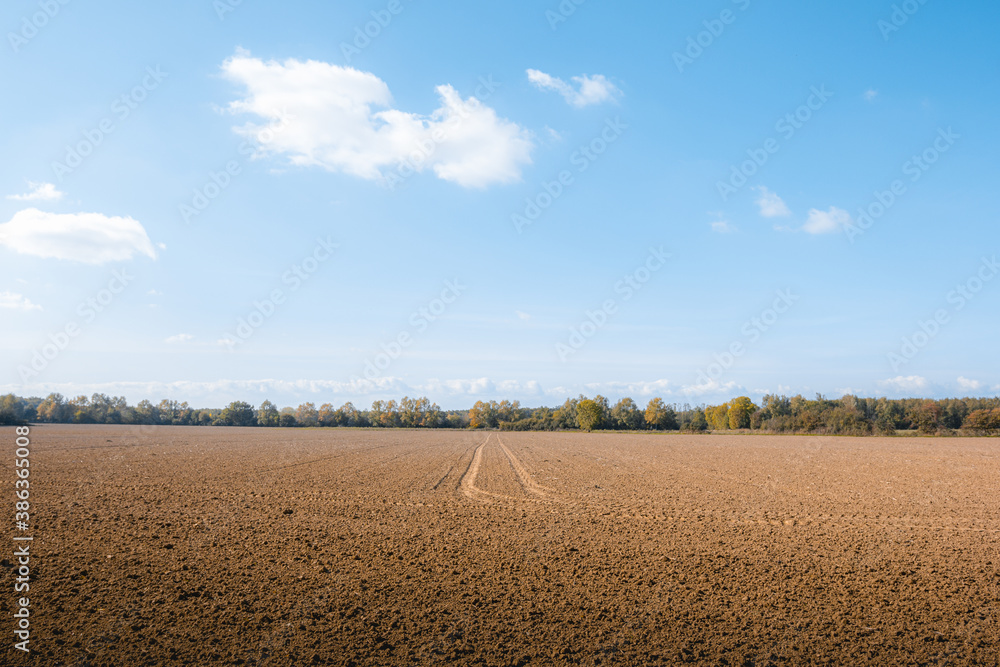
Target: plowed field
205, 546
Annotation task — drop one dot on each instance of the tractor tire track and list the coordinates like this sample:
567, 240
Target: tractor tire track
467, 484
451, 469
528, 484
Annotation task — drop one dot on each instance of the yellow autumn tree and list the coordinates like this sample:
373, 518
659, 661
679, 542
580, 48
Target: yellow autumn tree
717, 417
740, 410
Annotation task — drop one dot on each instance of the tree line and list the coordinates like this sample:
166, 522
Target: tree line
849, 415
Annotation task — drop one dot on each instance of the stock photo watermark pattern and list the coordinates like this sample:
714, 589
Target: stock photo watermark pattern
219, 181
900, 16
787, 127
915, 168
581, 159
424, 150
88, 311
750, 332
419, 321
562, 12
714, 28
121, 108
626, 288
34, 23
293, 278
957, 299
365, 34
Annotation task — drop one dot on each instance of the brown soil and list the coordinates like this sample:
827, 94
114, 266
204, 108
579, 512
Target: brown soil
202, 546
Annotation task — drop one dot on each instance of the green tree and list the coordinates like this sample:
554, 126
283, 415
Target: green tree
589, 414
484, 415
375, 412
773, 405
327, 415
307, 415
238, 413
80, 409
11, 409
409, 412
565, 415
508, 411
268, 415
147, 413
625, 415
698, 423
348, 415
53, 409
418, 413
384, 414
429, 413
170, 411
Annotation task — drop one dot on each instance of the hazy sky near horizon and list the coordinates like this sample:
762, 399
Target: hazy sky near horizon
324, 202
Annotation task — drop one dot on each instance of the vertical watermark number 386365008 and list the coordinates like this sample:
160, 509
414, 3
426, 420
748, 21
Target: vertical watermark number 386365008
22, 542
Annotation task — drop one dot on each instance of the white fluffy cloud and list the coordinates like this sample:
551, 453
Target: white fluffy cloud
588, 89
180, 338
661, 388
770, 204
969, 385
341, 119
39, 192
91, 238
709, 388
826, 222
15, 301
904, 384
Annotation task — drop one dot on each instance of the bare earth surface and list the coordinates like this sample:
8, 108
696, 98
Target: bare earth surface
204, 546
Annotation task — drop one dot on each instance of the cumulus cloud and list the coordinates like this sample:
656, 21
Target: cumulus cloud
39, 192
15, 301
651, 388
460, 387
870, 94
587, 90
904, 384
180, 338
826, 222
969, 385
90, 238
341, 119
711, 387
770, 204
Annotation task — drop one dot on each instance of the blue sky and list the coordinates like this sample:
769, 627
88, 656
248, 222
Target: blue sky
218, 201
